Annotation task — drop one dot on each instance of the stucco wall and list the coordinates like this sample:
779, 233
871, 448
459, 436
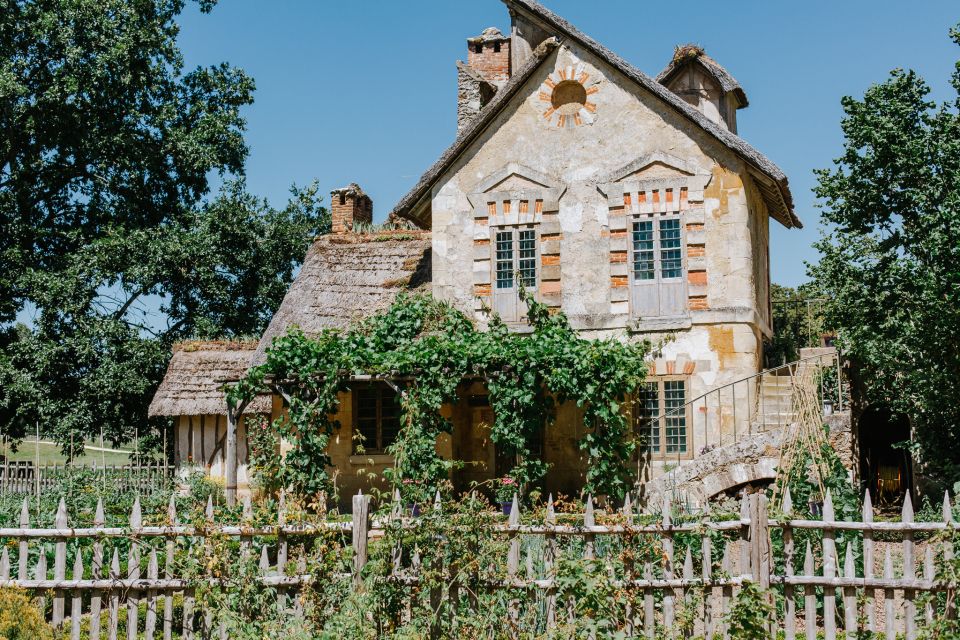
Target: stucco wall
723, 333
199, 445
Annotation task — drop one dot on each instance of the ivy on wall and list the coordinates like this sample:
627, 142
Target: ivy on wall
428, 348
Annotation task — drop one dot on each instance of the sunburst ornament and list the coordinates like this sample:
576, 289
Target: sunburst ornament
567, 98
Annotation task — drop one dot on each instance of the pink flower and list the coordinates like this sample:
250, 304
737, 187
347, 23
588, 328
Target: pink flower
507, 481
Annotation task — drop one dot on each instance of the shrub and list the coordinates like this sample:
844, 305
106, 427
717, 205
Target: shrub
20, 619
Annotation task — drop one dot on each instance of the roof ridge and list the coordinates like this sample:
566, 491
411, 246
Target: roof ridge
240, 344
539, 13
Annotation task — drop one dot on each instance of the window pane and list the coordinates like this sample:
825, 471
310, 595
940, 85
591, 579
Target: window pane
504, 249
643, 250
389, 416
648, 409
366, 420
671, 263
674, 397
528, 257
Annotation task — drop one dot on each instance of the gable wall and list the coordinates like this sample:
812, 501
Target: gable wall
721, 341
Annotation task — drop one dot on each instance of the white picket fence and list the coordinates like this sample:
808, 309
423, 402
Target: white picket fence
100, 585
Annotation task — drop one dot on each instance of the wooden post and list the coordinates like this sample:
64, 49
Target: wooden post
168, 572
513, 562
23, 546
810, 596
850, 595
361, 525
549, 564
231, 455
790, 602
60, 565
97, 573
909, 572
951, 609
114, 618
829, 570
666, 545
133, 571
868, 564
889, 613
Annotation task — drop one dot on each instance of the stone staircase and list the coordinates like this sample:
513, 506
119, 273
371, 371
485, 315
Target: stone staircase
754, 457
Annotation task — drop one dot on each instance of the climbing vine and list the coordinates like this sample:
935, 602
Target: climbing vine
427, 348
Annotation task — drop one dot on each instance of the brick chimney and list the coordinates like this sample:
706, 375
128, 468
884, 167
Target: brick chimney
486, 70
349, 206
489, 55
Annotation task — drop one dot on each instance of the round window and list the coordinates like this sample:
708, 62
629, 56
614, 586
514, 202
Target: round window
568, 97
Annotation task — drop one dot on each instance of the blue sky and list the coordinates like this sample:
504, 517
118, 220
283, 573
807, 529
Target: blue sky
366, 91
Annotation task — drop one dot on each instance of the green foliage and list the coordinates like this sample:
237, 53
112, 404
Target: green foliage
20, 619
752, 613
430, 347
797, 322
109, 241
890, 256
942, 627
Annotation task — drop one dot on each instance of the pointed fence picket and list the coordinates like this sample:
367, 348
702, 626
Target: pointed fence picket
132, 594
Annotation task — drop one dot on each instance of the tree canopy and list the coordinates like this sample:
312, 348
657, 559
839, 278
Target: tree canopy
890, 263
107, 153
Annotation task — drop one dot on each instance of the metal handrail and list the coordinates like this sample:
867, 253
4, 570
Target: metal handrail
687, 406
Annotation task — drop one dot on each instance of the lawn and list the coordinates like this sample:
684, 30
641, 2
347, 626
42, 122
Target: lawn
49, 453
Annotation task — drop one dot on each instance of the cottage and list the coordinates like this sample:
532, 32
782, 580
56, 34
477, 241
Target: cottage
192, 394
628, 202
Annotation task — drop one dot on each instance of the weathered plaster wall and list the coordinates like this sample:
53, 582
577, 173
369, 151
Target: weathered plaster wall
722, 334
199, 443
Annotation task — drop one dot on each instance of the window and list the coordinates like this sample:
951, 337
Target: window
515, 264
658, 287
661, 418
376, 421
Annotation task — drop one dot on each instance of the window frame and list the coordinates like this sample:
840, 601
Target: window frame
515, 230
658, 282
378, 447
646, 447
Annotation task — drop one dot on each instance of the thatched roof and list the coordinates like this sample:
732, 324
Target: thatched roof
348, 276
688, 54
193, 384
771, 180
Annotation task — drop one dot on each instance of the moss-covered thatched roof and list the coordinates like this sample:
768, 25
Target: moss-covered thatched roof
193, 384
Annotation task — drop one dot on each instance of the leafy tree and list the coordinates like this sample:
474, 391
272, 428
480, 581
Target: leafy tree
108, 238
890, 263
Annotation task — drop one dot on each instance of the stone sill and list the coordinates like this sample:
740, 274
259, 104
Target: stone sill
673, 323
371, 459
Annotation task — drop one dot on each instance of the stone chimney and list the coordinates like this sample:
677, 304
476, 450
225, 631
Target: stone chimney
348, 207
487, 69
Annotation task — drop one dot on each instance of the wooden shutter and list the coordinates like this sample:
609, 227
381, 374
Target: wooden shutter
657, 270
504, 274
644, 297
670, 271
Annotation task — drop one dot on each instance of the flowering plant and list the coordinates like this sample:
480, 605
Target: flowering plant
505, 488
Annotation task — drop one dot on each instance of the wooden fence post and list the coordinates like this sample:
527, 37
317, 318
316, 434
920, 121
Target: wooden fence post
790, 603
361, 527
97, 572
60, 565
829, 570
868, 564
909, 572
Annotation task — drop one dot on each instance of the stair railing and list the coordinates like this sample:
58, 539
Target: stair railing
739, 409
